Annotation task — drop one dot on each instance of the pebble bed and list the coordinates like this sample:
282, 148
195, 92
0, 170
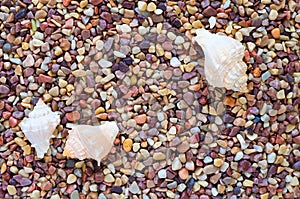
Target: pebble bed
179, 138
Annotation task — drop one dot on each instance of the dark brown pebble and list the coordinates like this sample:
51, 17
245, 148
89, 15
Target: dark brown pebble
209, 11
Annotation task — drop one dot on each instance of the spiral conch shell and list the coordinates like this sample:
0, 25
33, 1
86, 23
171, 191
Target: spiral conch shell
94, 142
39, 126
223, 66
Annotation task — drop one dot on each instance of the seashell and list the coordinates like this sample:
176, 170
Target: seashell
223, 65
94, 142
39, 126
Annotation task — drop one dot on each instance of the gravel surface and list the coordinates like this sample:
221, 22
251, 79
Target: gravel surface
134, 62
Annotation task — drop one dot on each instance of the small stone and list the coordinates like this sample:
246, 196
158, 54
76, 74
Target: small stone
140, 119
89, 12
265, 76
271, 157
96, 2
176, 164
29, 61
109, 178
210, 169
104, 63
296, 166
4, 89
134, 188
40, 14
6, 47
280, 94
273, 15
142, 5
159, 156
192, 9
162, 173
71, 178
175, 62
75, 195
151, 7
127, 144
209, 11
276, 33
11, 190
73, 116
239, 122
183, 173
54, 91
248, 183
297, 18
218, 162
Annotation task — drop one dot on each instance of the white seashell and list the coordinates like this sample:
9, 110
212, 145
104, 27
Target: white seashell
39, 126
223, 66
94, 142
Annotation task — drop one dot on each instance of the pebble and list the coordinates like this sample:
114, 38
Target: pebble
134, 188
4, 89
11, 190
71, 178
183, 173
162, 173
104, 63
175, 62
276, 33
151, 7
6, 47
273, 15
210, 169
127, 145
176, 164
142, 5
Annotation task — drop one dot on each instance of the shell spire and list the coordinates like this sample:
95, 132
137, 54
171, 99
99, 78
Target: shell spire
39, 126
224, 65
94, 142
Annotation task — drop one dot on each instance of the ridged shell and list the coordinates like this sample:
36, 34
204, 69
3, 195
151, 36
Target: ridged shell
223, 66
94, 142
39, 126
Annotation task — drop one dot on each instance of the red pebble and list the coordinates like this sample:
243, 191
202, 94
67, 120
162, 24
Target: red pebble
12, 122
43, 79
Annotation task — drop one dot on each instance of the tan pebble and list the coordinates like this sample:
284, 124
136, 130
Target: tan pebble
151, 7
27, 149
239, 122
83, 3
248, 183
40, 14
127, 144
276, 33
264, 196
99, 110
183, 173
58, 51
11, 190
218, 162
3, 168
142, 5
192, 9
54, 91
20, 142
